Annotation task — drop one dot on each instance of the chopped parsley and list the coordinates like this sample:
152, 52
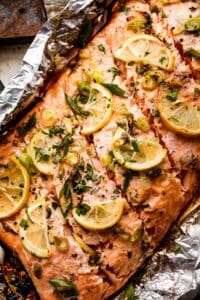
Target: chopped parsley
127, 177
62, 148
125, 9
172, 94
73, 103
135, 145
23, 224
90, 172
129, 293
55, 131
142, 69
82, 209
65, 197
81, 187
162, 59
115, 89
176, 248
115, 72
87, 30
101, 48
27, 126
64, 288
40, 155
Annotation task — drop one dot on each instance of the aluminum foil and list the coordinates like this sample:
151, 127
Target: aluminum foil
56, 44
174, 271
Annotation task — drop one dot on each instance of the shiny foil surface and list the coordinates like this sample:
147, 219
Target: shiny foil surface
174, 270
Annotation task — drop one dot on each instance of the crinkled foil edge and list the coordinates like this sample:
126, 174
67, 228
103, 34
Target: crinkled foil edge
170, 274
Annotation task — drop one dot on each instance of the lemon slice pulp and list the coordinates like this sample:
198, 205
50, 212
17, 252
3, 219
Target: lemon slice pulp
146, 49
100, 107
46, 149
101, 215
180, 116
136, 155
14, 188
33, 230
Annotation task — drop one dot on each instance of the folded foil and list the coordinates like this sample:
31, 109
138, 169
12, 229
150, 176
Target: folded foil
56, 44
174, 271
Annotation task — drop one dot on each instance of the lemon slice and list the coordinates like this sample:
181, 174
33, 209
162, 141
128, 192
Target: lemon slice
40, 150
146, 49
100, 108
101, 215
33, 230
14, 188
180, 116
138, 154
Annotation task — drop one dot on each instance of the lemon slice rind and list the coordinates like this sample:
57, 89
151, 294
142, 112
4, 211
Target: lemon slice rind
148, 155
146, 49
100, 111
35, 233
7, 190
38, 140
102, 215
181, 117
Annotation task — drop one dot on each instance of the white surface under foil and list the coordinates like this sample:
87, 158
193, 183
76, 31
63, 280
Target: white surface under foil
11, 55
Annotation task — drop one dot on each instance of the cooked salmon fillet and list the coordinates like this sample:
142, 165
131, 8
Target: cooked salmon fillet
97, 263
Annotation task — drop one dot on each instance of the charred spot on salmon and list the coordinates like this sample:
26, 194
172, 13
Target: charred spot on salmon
82, 209
37, 270
154, 173
64, 288
115, 89
27, 126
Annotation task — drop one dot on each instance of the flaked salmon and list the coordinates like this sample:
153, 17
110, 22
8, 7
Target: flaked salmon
97, 153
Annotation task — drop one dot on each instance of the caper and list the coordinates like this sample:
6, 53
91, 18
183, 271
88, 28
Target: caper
61, 243
138, 22
37, 270
142, 124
